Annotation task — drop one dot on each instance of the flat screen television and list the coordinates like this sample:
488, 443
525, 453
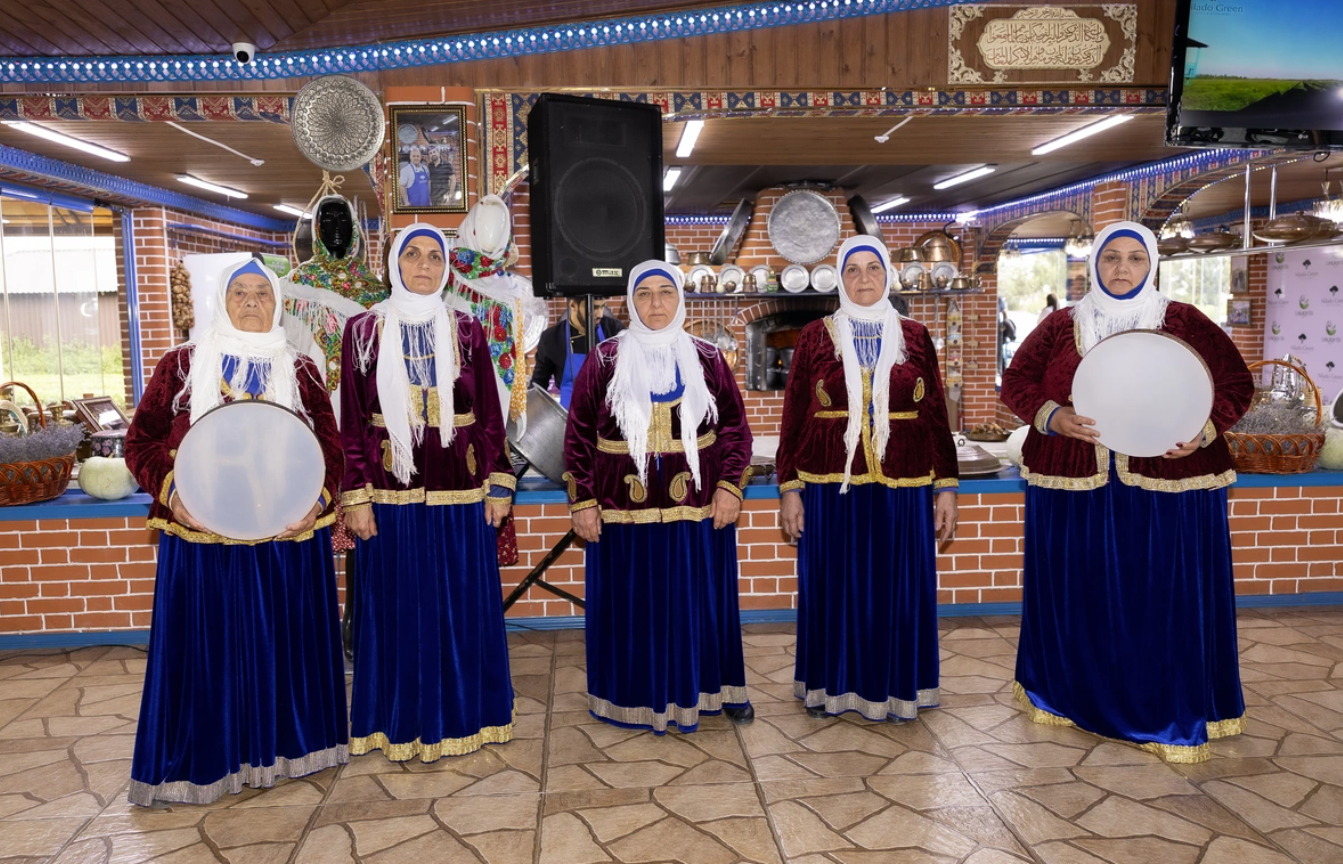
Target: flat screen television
1257, 73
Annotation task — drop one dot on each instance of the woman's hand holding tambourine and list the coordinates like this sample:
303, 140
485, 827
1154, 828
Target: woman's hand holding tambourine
182, 517
303, 526
1067, 422
1181, 450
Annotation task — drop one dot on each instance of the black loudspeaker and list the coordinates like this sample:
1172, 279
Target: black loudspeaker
595, 179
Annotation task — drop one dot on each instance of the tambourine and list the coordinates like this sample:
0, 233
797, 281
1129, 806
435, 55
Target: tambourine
1146, 390
248, 469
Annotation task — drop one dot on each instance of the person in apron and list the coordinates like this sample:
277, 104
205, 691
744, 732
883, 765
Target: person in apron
414, 180
563, 348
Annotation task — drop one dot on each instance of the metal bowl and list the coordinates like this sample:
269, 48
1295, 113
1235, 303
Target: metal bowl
911, 255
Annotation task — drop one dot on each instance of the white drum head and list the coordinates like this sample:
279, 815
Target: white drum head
1146, 391
248, 469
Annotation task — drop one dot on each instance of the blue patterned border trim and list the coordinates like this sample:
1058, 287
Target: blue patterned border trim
466, 47
141, 109
91, 183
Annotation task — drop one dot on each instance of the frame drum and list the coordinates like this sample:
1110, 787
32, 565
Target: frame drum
247, 469
1146, 391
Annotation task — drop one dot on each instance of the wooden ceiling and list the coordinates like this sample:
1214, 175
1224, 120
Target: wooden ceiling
734, 158
32, 28
1298, 181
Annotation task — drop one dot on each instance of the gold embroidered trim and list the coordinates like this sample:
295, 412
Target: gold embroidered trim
1041, 423
1073, 484
355, 508
431, 752
659, 720
499, 478
606, 445
723, 484
841, 414
179, 530
918, 390
434, 498
1209, 433
165, 495
680, 486
746, 476
822, 396
791, 486
951, 483
471, 459
459, 420
638, 494
582, 505
1186, 484
859, 480
572, 484
1174, 753
905, 709
388, 458
355, 497
660, 438
833, 330
653, 514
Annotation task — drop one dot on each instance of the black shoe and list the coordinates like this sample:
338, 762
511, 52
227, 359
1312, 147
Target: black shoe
816, 711
741, 715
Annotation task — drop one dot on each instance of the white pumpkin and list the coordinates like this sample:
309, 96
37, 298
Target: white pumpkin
108, 479
1331, 457
1015, 442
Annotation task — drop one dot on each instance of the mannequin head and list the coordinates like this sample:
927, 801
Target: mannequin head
336, 227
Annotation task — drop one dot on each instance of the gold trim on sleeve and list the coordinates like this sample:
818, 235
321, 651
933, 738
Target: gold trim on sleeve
1042, 416
723, 484
949, 483
582, 505
165, 495
1209, 433
356, 497
508, 481
791, 486
571, 484
607, 445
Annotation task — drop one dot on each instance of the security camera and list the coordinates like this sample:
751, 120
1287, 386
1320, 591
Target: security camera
244, 52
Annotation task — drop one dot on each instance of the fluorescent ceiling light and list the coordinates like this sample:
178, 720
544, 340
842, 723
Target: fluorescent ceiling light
1084, 132
58, 138
889, 205
669, 179
292, 211
966, 177
211, 187
689, 135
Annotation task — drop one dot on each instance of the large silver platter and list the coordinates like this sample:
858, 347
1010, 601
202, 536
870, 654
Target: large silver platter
543, 445
337, 123
803, 226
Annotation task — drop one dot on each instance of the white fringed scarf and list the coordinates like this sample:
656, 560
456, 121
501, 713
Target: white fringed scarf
1100, 313
435, 327
647, 362
267, 356
892, 354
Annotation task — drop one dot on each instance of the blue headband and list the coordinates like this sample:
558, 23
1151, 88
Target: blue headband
656, 271
861, 247
425, 232
253, 266
1125, 232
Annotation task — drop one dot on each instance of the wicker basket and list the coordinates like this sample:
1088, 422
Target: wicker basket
1265, 453
29, 482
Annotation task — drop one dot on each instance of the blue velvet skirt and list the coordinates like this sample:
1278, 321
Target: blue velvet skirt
663, 627
245, 680
430, 655
1129, 623
867, 601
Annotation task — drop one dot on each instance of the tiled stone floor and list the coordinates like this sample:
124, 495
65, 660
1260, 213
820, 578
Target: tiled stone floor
973, 781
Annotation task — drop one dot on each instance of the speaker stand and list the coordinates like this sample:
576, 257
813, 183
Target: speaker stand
534, 577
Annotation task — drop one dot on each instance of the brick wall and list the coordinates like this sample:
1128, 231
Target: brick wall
98, 574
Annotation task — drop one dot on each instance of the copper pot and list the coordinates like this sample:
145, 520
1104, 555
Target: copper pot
693, 258
1213, 241
1296, 228
939, 246
911, 255
1172, 245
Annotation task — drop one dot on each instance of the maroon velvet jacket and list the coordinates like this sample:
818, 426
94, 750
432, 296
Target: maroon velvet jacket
600, 472
816, 412
461, 474
157, 430
1040, 379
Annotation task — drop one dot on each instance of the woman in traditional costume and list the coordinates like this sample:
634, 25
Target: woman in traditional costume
657, 451
245, 682
1129, 623
427, 482
867, 474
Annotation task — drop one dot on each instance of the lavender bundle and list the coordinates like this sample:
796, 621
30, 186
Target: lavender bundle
49, 443
1277, 418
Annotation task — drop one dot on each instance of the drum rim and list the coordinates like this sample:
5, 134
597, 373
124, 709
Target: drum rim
306, 425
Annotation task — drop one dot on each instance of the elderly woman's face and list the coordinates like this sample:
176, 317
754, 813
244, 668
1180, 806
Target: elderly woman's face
864, 278
656, 300
421, 263
250, 303
1123, 265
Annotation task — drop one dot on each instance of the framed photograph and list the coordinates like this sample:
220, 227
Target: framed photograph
1240, 276
1238, 313
100, 414
430, 172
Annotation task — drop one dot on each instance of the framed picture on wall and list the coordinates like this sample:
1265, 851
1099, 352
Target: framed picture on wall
100, 414
1238, 313
1240, 275
430, 147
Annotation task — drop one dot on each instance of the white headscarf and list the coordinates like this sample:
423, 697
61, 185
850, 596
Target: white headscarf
892, 354
405, 425
266, 355
1100, 313
648, 361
